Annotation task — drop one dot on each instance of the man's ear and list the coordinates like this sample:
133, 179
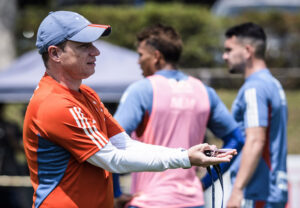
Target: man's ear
250, 51
158, 56
54, 53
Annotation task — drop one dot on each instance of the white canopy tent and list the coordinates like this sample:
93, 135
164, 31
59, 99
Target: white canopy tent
116, 68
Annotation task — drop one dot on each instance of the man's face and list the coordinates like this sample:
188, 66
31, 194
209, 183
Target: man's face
146, 58
78, 59
234, 55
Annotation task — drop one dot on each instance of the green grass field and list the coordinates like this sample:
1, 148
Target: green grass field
14, 112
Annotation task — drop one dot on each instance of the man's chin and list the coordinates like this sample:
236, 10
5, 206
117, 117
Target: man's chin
235, 71
232, 71
88, 74
147, 74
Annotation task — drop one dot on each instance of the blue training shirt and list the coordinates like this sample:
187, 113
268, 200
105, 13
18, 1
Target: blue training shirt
261, 102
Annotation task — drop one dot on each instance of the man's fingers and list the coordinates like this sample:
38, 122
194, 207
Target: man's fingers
232, 152
198, 158
217, 160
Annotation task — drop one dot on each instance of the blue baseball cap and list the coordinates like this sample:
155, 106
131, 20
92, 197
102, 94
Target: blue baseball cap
60, 26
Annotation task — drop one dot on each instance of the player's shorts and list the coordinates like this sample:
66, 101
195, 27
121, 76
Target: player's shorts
249, 203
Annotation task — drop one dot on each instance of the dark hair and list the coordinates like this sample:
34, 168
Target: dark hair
253, 32
45, 55
164, 39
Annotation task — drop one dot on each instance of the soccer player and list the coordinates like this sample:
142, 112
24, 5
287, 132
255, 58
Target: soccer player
261, 110
172, 109
71, 141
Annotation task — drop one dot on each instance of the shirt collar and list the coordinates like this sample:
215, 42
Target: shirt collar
171, 74
258, 73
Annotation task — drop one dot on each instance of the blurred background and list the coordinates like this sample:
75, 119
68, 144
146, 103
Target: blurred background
201, 24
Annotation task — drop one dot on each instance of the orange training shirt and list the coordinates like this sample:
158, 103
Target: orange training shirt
62, 129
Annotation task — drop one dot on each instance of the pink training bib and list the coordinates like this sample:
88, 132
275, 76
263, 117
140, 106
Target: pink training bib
179, 117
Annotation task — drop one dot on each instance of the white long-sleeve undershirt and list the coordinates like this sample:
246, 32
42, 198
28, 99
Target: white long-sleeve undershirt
123, 154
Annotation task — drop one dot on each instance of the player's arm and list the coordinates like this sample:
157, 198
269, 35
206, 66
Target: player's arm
135, 101
234, 140
223, 126
252, 151
136, 156
255, 121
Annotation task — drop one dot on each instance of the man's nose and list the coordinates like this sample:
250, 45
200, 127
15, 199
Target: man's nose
225, 56
95, 51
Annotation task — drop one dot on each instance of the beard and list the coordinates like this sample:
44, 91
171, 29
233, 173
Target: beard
237, 68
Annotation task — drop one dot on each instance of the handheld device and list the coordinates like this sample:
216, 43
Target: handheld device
213, 153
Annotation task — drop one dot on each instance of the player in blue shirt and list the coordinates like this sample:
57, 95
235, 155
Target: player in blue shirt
136, 107
260, 108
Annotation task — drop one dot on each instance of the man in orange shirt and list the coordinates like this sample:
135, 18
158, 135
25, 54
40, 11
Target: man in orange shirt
71, 141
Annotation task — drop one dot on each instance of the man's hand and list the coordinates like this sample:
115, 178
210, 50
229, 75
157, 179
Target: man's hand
122, 200
235, 200
198, 158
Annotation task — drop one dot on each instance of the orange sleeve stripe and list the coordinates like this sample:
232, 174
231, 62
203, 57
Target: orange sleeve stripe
101, 26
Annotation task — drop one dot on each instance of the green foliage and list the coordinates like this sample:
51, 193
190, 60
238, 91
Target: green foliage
202, 32
196, 25
199, 29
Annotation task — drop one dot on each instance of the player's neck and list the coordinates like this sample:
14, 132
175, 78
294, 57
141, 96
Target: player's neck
255, 66
167, 66
66, 81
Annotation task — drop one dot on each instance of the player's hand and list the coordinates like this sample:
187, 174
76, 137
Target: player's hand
122, 200
198, 158
202, 186
235, 200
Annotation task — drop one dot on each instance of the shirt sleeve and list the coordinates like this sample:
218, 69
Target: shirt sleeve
123, 154
256, 112
136, 100
69, 126
220, 122
112, 125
